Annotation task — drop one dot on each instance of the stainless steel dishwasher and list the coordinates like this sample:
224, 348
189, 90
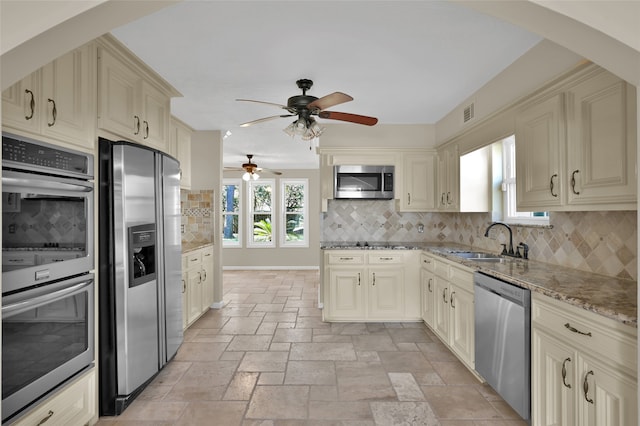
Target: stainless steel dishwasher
502, 340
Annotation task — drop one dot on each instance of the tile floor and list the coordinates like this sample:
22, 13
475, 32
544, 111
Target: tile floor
267, 359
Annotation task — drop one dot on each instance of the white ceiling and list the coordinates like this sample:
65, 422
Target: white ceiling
404, 62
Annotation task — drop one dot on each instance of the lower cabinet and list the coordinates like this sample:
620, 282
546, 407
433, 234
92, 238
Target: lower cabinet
74, 405
583, 367
448, 305
197, 282
371, 286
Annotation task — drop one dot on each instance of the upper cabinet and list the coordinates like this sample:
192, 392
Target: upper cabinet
133, 102
576, 146
418, 193
180, 148
448, 179
56, 101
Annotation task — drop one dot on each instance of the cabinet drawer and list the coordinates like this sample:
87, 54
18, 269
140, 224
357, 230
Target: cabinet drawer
207, 254
427, 262
461, 277
441, 269
355, 258
193, 259
591, 333
385, 258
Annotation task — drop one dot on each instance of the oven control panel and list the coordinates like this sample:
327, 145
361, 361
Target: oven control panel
47, 158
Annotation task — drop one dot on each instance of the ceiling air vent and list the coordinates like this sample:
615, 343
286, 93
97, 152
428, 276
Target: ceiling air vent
468, 113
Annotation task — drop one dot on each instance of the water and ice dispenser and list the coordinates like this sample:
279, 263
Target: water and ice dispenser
142, 254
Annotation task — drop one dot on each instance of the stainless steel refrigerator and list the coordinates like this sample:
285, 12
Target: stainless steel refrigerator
140, 269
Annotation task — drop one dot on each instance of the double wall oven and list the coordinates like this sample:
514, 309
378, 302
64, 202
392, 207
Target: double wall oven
47, 258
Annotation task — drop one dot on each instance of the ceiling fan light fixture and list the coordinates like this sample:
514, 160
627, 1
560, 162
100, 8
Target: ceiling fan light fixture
307, 129
246, 176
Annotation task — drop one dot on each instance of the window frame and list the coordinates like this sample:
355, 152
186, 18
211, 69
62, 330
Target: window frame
251, 213
283, 213
226, 243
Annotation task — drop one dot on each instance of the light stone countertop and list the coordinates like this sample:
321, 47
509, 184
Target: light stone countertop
194, 245
608, 296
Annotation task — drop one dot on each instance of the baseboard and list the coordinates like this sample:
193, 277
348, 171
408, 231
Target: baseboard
219, 305
271, 268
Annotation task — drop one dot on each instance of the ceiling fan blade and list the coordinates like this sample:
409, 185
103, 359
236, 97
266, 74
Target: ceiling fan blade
273, 172
260, 120
328, 101
263, 102
233, 169
352, 118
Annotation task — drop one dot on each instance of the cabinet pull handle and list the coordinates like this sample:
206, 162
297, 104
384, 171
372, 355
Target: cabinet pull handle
346, 258
409, 197
429, 285
54, 112
32, 104
374, 278
146, 129
442, 199
47, 417
444, 295
575, 330
184, 286
207, 254
448, 199
451, 299
137, 124
551, 185
205, 275
573, 182
564, 373
386, 258
199, 277
426, 261
358, 278
585, 387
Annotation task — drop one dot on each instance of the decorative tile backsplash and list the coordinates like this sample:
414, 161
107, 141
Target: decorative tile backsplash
197, 217
600, 242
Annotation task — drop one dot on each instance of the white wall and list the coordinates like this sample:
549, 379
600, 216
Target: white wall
380, 135
280, 258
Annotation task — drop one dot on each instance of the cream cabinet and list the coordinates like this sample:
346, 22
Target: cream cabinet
75, 404
427, 290
133, 102
453, 307
418, 192
448, 178
56, 101
576, 146
180, 148
376, 285
583, 367
197, 278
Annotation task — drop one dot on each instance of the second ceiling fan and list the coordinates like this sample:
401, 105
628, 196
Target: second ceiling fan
306, 107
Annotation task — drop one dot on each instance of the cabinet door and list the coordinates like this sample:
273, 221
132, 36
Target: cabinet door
155, 117
441, 308
385, 293
68, 97
448, 179
553, 381
461, 324
539, 155
419, 191
21, 105
182, 147
118, 88
207, 279
194, 283
606, 396
601, 142
346, 293
428, 299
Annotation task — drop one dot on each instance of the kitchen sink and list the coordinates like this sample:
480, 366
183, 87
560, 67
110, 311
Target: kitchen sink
478, 256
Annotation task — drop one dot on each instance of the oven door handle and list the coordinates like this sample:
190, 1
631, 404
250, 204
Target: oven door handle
31, 183
27, 303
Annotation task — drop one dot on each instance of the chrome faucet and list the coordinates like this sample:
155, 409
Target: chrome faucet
510, 252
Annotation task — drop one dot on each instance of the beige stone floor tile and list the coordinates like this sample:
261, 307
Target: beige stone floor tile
310, 373
193, 351
241, 325
323, 393
293, 335
171, 373
373, 343
264, 361
406, 387
454, 373
225, 413
279, 402
267, 328
280, 347
459, 402
405, 362
154, 392
153, 411
241, 387
339, 410
250, 343
322, 352
271, 379
269, 307
360, 381
403, 413
408, 335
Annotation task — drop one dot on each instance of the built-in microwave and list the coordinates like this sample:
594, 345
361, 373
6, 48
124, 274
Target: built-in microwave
363, 182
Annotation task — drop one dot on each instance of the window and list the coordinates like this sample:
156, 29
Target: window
510, 214
294, 213
260, 213
231, 196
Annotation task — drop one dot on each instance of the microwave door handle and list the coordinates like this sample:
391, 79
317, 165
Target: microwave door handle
30, 303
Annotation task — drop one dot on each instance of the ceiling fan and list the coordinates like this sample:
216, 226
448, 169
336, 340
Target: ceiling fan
306, 106
251, 169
